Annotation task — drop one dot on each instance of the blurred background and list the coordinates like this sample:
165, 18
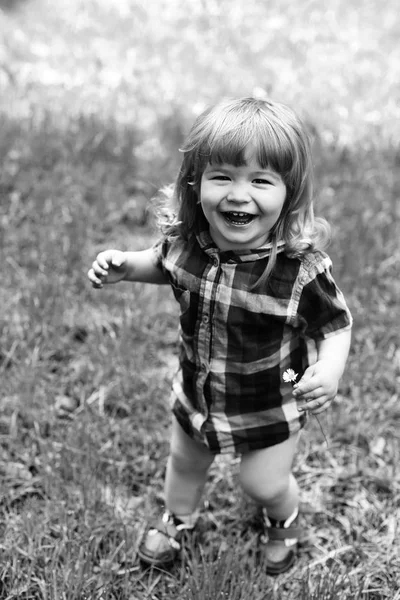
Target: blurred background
142, 61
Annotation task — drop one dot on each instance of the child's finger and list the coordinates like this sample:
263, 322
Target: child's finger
98, 271
96, 285
304, 381
117, 263
304, 387
317, 405
94, 279
309, 392
314, 394
322, 408
102, 261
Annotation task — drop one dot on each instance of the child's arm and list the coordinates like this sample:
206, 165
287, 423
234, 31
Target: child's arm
319, 384
112, 266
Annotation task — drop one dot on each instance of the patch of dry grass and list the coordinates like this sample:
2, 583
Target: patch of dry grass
85, 374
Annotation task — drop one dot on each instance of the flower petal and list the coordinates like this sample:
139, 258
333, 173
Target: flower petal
289, 375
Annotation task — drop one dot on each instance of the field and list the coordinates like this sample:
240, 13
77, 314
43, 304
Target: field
95, 99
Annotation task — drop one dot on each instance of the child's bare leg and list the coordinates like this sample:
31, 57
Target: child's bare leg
187, 469
266, 475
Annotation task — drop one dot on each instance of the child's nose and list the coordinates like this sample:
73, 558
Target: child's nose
238, 193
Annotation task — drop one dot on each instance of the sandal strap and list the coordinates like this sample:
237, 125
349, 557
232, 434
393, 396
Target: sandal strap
171, 530
278, 533
168, 529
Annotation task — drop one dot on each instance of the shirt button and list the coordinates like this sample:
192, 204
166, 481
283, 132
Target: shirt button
215, 262
206, 319
203, 367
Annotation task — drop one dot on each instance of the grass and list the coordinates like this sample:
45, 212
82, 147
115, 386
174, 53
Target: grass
85, 374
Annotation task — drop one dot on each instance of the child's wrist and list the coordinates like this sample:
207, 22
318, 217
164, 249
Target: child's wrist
332, 365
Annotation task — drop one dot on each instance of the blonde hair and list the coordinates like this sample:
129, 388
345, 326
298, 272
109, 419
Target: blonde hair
220, 135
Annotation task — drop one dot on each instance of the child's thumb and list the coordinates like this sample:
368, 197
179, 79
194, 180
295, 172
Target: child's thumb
301, 386
117, 260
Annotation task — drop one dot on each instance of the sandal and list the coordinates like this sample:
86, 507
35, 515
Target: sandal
161, 543
281, 542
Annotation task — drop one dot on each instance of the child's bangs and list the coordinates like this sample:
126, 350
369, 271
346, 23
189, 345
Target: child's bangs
270, 150
230, 148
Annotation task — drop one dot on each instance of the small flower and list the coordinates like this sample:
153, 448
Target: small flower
289, 376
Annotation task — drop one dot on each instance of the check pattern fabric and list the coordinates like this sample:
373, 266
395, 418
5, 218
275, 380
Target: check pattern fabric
237, 338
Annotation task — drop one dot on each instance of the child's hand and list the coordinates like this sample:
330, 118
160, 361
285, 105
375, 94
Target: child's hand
317, 388
109, 266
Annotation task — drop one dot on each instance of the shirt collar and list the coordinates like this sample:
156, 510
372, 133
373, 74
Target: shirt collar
207, 244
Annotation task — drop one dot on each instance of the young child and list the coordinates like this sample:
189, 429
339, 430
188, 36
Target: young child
242, 252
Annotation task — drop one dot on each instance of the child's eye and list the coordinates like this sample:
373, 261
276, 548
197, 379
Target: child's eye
221, 177
262, 181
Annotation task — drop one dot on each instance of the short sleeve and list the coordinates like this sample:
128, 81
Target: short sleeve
322, 309
160, 249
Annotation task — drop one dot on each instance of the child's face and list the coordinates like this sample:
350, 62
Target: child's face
241, 204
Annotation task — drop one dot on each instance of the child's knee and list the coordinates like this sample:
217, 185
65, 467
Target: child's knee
263, 489
266, 475
187, 455
182, 462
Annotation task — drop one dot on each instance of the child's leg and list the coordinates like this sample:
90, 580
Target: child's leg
266, 475
187, 469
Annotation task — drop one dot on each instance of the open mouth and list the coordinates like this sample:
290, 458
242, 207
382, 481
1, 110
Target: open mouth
238, 218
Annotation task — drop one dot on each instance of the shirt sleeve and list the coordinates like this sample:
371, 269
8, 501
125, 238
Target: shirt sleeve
322, 309
160, 249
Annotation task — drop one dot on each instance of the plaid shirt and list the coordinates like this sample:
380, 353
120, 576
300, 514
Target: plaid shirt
236, 340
